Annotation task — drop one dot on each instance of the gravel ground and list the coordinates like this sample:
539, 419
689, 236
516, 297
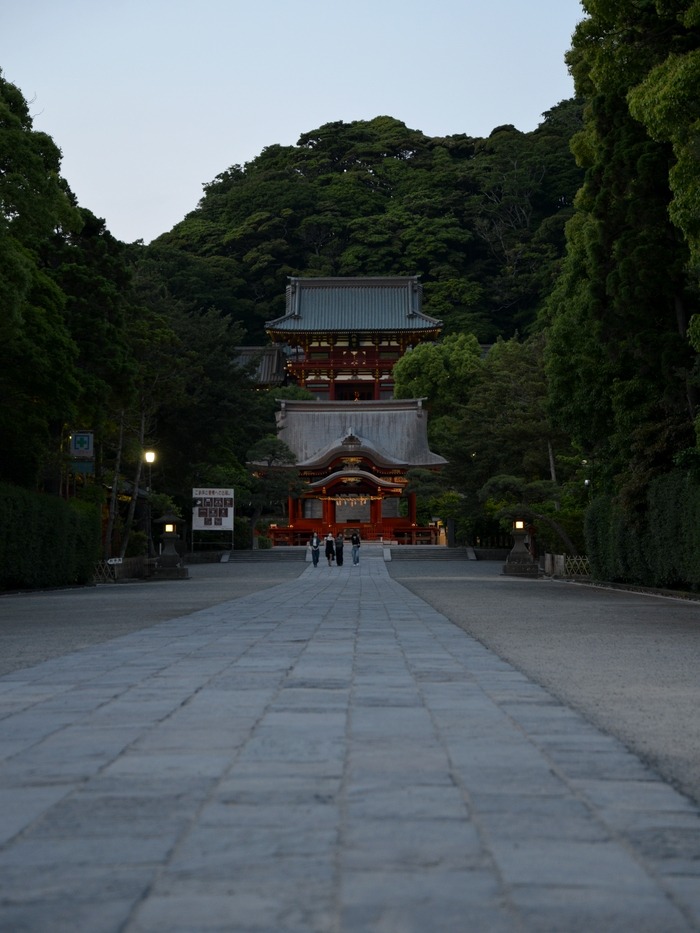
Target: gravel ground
629, 662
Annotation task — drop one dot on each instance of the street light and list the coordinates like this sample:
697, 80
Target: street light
149, 456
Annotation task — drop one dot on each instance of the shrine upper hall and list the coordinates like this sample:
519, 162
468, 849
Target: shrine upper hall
345, 334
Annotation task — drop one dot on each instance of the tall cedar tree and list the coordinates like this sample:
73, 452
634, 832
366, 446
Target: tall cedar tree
618, 358
39, 381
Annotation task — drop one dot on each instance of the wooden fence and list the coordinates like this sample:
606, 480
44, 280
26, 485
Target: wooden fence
564, 565
128, 568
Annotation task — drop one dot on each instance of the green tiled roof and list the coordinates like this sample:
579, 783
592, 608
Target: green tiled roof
354, 304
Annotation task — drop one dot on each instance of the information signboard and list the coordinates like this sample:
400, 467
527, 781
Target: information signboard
212, 509
82, 445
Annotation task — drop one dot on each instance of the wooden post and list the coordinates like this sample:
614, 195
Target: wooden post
412, 507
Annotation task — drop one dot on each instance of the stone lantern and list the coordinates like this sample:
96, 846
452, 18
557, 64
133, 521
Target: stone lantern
520, 562
169, 565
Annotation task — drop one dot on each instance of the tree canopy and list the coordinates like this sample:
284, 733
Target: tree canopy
480, 220
621, 369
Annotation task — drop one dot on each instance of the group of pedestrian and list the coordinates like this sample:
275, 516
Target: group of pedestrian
334, 548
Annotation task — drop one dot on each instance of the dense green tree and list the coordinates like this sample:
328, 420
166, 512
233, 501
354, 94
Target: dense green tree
93, 271
39, 390
200, 408
33, 201
271, 479
526, 186
39, 386
510, 498
502, 424
442, 374
667, 102
489, 417
619, 363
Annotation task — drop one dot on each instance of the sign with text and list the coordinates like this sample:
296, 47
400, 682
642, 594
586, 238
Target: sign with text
212, 509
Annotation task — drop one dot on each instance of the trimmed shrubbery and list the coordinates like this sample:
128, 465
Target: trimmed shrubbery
46, 541
660, 548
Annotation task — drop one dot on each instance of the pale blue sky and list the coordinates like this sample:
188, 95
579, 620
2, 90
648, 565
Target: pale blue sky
150, 99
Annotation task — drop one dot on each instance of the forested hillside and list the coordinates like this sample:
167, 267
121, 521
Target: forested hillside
480, 220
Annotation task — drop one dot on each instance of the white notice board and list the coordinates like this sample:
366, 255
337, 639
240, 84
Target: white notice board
212, 509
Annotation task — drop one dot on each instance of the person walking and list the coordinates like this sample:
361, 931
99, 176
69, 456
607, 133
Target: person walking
315, 545
355, 541
339, 544
330, 548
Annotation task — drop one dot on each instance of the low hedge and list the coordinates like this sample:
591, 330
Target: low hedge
660, 547
46, 541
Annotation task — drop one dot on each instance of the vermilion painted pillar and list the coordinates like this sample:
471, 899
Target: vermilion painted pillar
375, 512
327, 514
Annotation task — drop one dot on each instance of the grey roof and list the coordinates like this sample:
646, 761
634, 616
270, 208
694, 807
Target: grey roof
269, 364
393, 433
354, 304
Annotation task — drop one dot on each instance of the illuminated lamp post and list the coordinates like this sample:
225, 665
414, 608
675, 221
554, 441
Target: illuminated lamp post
149, 456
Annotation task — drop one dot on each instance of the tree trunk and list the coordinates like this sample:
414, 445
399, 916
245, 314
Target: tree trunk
552, 470
555, 526
254, 519
115, 492
691, 392
135, 491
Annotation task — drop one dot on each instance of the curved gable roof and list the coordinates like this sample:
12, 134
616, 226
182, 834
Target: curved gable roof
392, 432
390, 303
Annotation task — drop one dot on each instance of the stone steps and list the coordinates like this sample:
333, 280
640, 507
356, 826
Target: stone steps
431, 552
275, 554
368, 549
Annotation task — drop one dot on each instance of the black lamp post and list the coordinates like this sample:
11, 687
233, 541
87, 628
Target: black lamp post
149, 456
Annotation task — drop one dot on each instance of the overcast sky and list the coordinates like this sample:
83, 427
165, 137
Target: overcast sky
150, 99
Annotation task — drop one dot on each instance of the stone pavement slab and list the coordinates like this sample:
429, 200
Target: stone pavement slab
331, 755
628, 661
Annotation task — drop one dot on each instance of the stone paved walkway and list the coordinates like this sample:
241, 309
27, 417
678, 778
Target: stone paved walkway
329, 755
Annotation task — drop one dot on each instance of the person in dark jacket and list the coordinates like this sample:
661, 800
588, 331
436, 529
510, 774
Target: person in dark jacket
339, 544
355, 541
330, 548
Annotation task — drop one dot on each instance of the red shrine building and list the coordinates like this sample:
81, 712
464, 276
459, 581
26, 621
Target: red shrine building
345, 334
355, 443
